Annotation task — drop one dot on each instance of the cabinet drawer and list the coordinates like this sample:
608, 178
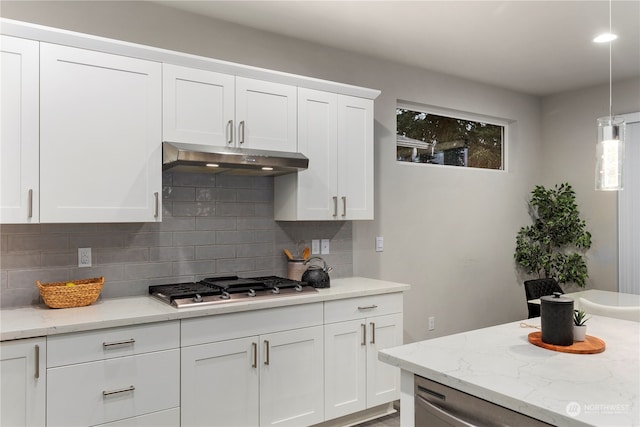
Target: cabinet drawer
204, 330
357, 308
93, 393
103, 344
168, 418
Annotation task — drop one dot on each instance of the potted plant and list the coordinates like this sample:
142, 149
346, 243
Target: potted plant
554, 245
579, 325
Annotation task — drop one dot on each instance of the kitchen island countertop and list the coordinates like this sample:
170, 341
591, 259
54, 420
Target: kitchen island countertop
35, 321
498, 364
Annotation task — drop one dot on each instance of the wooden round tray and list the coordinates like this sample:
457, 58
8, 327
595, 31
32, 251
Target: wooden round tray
590, 345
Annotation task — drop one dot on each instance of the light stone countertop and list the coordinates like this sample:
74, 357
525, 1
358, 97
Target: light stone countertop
35, 321
498, 364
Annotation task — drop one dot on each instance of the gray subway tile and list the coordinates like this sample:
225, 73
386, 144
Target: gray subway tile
179, 194
68, 228
236, 265
21, 260
121, 255
20, 297
263, 210
147, 270
17, 242
216, 223
19, 228
180, 253
235, 209
190, 179
97, 240
254, 250
177, 224
61, 259
215, 194
235, 181
109, 272
194, 209
254, 223
254, 195
264, 236
184, 238
27, 278
149, 239
215, 252
183, 268
228, 237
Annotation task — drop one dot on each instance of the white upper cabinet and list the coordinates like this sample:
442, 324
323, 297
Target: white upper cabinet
209, 108
198, 106
100, 133
355, 158
19, 139
336, 133
266, 115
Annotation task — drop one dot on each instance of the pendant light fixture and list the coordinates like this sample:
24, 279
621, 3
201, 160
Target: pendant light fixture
610, 146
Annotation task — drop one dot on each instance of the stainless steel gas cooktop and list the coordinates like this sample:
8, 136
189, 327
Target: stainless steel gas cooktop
228, 289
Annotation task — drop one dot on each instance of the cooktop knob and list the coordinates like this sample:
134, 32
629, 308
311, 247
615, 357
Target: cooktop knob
299, 288
251, 293
225, 295
197, 298
275, 290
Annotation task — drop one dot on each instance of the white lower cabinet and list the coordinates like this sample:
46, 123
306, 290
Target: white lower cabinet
23, 374
129, 375
274, 377
355, 330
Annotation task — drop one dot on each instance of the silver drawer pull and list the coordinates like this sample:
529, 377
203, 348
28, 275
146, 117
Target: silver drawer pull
364, 334
112, 344
37, 351
373, 332
156, 209
368, 307
122, 390
30, 208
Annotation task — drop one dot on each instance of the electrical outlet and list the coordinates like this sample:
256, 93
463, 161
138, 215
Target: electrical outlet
324, 246
379, 244
432, 323
315, 246
84, 257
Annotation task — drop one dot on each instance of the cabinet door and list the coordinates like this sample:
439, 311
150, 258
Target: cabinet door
317, 139
345, 355
197, 106
219, 384
292, 378
355, 158
383, 380
100, 133
19, 139
22, 369
265, 115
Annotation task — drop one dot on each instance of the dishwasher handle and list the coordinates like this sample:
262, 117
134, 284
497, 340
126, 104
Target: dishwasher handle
427, 410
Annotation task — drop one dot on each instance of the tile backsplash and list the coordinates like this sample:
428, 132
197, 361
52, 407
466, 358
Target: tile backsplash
212, 225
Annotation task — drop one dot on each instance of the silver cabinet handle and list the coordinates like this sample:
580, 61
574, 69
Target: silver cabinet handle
30, 213
427, 409
122, 390
37, 351
344, 206
241, 132
367, 307
364, 334
230, 132
266, 357
106, 345
335, 206
157, 204
254, 349
373, 332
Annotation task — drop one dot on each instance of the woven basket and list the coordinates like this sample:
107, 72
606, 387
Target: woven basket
59, 295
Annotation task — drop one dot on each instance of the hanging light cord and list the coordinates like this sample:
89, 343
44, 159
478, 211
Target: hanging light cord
610, 73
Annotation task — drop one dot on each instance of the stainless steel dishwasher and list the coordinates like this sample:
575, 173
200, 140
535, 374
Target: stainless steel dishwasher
437, 405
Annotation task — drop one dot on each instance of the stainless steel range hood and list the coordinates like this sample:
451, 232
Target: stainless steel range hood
240, 161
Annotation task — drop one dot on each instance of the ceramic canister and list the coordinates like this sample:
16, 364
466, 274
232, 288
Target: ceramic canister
556, 319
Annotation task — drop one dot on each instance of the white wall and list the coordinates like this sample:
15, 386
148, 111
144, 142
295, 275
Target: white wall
569, 135
448, 232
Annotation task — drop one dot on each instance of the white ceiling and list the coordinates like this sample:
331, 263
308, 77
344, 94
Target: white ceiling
535, 47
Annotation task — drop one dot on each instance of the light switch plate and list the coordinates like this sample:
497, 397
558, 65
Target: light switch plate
379, 244
315, 246
324, 246
84, 257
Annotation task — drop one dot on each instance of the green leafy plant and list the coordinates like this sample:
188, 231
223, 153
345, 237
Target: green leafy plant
554, 245
579, 317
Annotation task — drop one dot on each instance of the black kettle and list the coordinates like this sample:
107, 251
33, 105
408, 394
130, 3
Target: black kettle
317, 276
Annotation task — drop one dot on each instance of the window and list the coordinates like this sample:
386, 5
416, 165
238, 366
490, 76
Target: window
423, 137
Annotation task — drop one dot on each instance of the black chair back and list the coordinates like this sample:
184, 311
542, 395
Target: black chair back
537, 288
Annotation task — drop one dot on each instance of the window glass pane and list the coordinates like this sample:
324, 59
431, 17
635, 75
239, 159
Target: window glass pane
430, 138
